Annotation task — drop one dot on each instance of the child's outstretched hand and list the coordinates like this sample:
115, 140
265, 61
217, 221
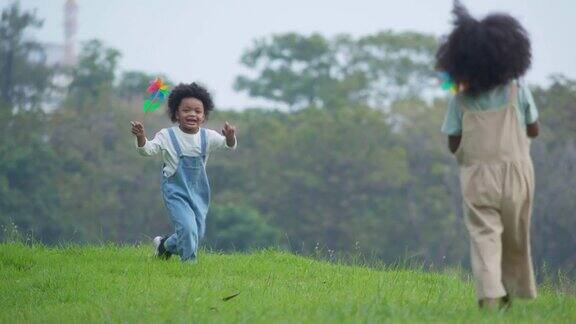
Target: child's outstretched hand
137, 128
138, 131
229, 131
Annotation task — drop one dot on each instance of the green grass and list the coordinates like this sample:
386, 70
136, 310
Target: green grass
125, 284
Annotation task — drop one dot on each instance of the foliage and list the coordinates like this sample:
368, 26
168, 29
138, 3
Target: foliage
302, 71
238, 228
24, 75
357, 165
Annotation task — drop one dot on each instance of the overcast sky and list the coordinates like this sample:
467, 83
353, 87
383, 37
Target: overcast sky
192, 40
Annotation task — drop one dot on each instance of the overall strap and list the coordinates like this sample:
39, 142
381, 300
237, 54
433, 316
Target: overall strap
459, 98
513, 94
174, 142
203, 144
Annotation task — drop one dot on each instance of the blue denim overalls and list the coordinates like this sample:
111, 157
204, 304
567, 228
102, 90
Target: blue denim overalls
187, 196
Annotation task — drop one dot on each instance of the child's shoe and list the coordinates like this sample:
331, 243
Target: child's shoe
159, 249
506, 302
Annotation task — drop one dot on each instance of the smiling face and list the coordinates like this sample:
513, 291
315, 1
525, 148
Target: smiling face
190, 115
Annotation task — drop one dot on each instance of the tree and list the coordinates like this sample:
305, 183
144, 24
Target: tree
554, 154
28, 168
95, 72
25, 79
301, 71
28, 165
238, 228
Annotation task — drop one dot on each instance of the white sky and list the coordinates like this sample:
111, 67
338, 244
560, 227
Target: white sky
202, 40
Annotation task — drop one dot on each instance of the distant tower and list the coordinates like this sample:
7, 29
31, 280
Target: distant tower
70, 27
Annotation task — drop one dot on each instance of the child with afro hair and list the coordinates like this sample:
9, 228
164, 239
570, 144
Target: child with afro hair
185, 148
489, 124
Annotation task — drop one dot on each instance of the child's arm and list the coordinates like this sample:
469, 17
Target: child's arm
533, 129
138, 131
224, 140
452, 125
229, 132
454, 143
145, 147
526, 101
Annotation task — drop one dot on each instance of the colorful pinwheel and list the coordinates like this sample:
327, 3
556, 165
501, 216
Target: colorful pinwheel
158, 91
447, 82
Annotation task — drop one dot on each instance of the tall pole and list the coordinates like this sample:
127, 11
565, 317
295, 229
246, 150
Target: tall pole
70, 28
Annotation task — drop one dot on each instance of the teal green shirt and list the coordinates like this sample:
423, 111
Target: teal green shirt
494, 99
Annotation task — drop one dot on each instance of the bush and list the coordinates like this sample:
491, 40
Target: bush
238, 228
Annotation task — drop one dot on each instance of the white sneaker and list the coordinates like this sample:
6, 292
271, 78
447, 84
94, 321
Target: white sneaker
156, 242
159, 248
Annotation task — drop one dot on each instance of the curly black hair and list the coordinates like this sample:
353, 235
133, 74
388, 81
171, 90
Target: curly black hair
484, 54
192, 90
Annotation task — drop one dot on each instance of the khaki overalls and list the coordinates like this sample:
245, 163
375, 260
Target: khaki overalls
497, 183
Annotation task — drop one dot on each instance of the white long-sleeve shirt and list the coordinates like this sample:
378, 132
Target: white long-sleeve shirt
189, 144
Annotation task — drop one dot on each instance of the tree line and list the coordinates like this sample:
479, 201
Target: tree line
348, 157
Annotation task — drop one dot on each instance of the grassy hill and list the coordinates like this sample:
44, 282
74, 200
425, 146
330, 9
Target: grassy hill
125, 284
